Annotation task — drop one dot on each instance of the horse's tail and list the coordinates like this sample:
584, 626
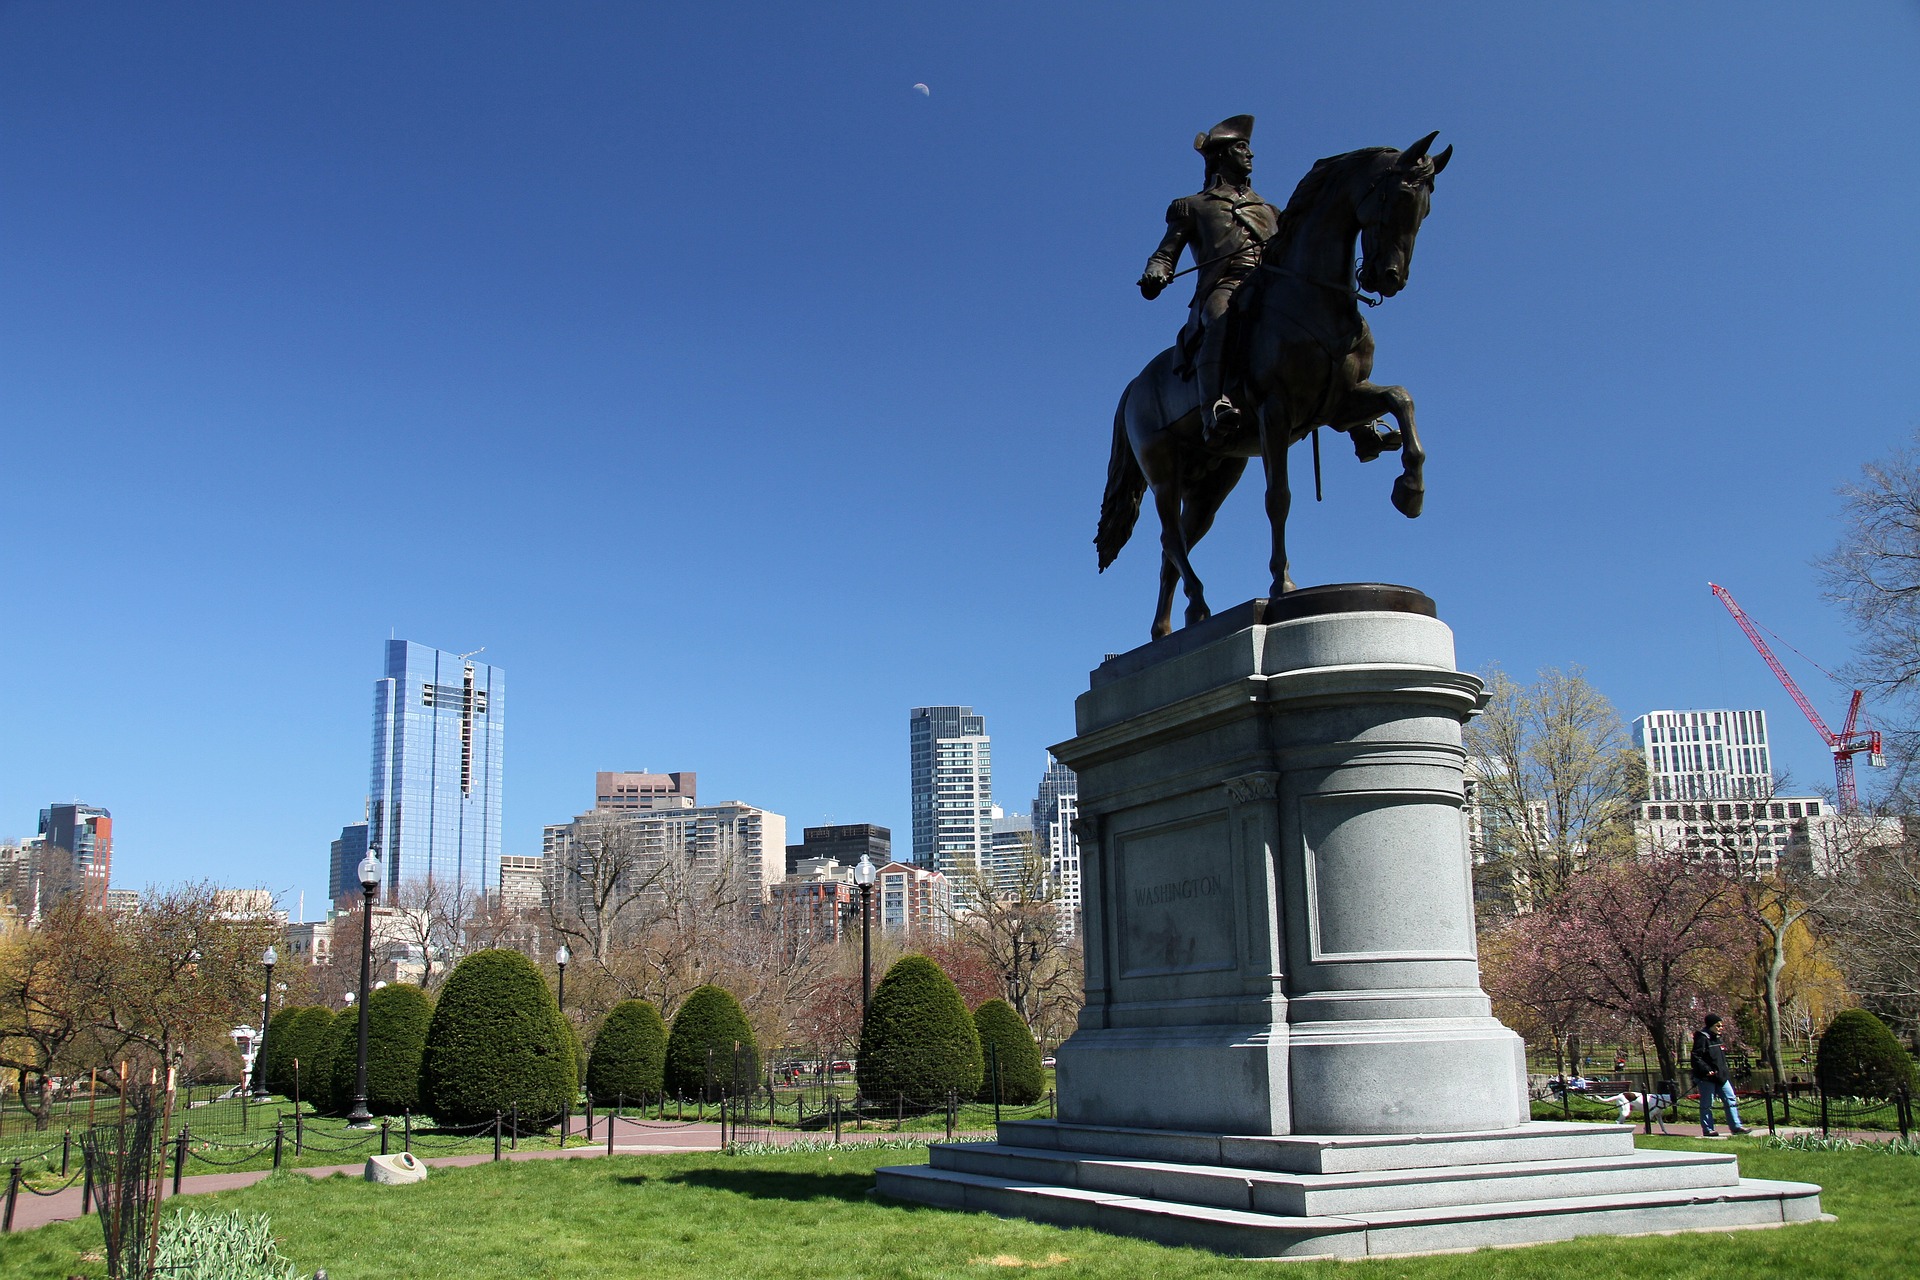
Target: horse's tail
1126, 485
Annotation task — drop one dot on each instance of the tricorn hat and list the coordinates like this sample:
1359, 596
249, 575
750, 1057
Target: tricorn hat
1232, 129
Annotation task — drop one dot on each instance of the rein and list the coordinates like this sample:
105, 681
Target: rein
1345, 291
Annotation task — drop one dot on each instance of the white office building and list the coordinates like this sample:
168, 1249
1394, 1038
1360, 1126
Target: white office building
1055, 807
1705, 755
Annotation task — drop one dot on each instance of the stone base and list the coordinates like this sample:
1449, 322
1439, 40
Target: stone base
1348, 1196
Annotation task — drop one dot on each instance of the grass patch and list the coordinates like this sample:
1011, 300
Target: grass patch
809, 1215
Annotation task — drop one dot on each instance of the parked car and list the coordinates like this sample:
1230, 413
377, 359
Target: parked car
1047, 1061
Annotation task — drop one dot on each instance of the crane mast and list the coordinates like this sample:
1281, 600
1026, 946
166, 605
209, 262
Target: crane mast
1846, 744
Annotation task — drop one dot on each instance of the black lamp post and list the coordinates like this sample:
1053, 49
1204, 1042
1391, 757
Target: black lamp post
863, 873
560, 958
360, 1117
270, 958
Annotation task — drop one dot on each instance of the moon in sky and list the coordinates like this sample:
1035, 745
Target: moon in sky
923, 91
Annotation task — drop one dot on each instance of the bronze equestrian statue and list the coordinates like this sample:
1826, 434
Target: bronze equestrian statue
1277, 312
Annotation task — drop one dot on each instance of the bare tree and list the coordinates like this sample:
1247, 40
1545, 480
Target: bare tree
1554, 781
1011, 921
1874, 914
604, 885
49, 997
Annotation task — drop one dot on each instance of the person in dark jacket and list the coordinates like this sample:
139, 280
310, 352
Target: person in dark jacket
1710, 1077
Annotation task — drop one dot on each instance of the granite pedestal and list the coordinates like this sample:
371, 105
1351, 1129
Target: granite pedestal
1285, 1049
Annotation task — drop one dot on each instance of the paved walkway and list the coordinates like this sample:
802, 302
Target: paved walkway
630, 1137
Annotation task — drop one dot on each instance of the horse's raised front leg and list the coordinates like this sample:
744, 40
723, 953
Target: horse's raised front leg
1274, 439
1358, 409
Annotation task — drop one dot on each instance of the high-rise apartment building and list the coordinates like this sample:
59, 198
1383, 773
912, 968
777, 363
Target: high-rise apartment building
522, 884
951, 759
438, 742
343, 862
1055, 806
1705, 755
912, 901
638, 790
846, 843
85, 833
1014, 846
728, 840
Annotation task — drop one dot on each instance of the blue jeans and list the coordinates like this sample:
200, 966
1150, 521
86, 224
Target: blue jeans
1709, 1091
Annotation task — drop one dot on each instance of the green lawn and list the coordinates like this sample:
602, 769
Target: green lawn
809, 1215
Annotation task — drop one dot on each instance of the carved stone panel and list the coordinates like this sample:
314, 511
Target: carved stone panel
1174, 889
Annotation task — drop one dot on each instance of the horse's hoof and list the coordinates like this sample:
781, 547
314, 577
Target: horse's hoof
1198, 613
1408, 499
1161, 630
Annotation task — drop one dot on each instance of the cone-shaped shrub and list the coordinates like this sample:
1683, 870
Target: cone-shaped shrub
397, 1018
341, 1055
629, 1055
303, 1038
273, 1065
1859, 1058
710, 1020
1006, 1043
495, 1041
918, 1041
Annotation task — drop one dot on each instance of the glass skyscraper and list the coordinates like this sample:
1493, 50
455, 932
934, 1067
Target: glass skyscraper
438, 737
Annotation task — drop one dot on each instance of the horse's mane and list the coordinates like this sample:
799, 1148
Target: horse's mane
1309, 193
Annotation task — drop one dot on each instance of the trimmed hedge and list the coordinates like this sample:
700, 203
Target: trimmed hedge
272, 1066
1858, 1058
496, 1040
711, 1019
303, 1038
918, 1041
397, 1018
1023, 1080
629, 1055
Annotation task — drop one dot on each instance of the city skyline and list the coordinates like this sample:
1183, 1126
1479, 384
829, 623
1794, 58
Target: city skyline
440, 357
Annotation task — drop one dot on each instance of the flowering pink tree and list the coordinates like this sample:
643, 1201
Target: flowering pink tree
1649, 940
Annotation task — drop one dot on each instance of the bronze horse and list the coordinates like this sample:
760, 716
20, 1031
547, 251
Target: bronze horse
1305, 356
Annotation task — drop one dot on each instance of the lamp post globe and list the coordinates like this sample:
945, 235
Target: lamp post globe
863, 876
269, 958
561, 958
369, 870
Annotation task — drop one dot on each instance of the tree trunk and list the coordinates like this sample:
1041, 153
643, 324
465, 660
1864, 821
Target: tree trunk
1663, 1052
1776, 964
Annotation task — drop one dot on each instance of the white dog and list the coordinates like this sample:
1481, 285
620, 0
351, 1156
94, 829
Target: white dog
1632, 1105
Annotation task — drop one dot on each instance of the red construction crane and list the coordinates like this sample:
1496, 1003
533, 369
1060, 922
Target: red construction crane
1846, 744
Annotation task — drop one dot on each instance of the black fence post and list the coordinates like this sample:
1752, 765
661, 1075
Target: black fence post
1903, 1111
513, 1140
589, 1117
609, 1135
386, 1124
496, 1134
566, 1122
86, 1183
179, 1157
834, 1103
1769, 1097
279, 1140
406, 1129
299, 1131
1823, 1113
993, 1061
1052, 1114
13, 1194
66, 1151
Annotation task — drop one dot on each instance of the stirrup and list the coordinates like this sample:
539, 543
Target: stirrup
1219, 420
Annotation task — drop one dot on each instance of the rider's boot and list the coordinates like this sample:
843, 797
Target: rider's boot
1219, 419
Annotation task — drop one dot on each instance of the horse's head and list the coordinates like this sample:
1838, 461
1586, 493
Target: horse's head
1391, 211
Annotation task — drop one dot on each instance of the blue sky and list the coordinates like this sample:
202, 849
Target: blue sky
738, 398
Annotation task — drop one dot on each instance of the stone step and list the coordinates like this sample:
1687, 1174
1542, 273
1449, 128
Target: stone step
1303, 1153
1317, 1195
1748, 1203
